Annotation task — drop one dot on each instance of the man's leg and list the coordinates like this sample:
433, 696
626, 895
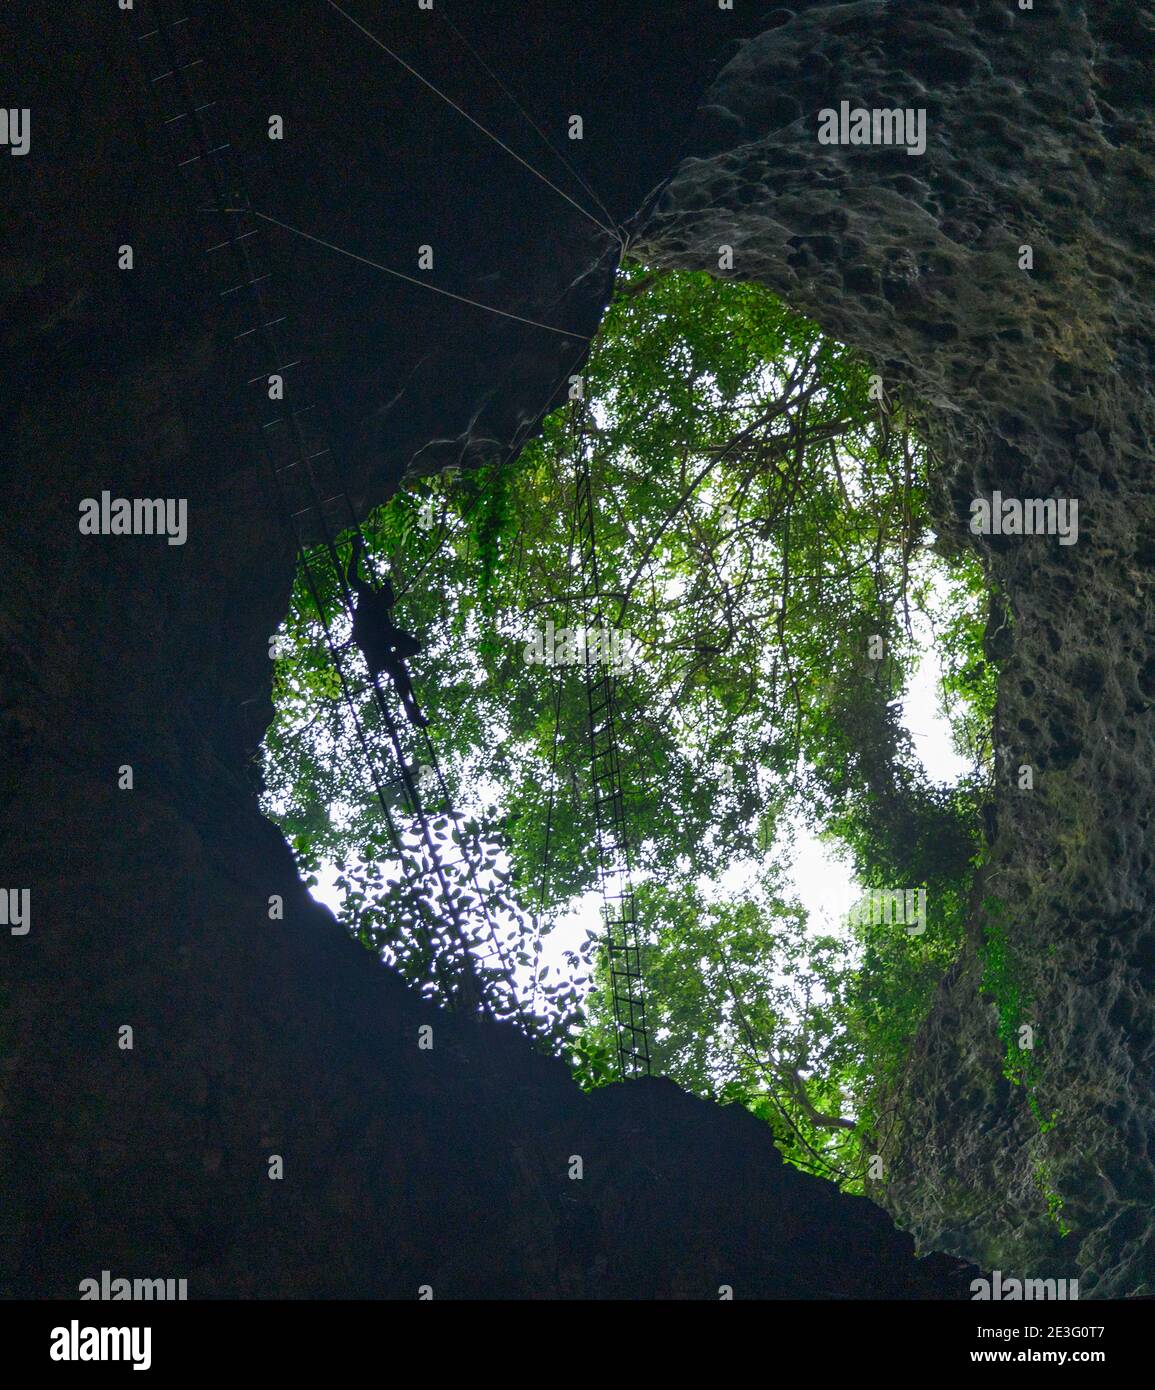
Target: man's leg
405, 690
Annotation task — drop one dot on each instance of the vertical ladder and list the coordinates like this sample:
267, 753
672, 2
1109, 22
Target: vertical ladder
619, 912
309, 488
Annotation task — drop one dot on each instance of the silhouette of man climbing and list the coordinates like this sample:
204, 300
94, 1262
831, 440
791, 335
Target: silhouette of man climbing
385, 646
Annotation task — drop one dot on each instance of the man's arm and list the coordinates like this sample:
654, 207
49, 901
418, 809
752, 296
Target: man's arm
353, 572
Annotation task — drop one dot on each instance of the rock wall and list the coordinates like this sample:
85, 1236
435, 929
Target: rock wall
1039, 383
150, 907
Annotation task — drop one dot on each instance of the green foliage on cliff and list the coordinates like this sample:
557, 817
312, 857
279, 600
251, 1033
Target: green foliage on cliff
1003, 980
763, 532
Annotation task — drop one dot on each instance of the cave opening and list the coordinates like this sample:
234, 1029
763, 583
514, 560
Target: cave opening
802, 783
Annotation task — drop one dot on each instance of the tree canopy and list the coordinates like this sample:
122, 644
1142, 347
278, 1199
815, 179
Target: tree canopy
764, 562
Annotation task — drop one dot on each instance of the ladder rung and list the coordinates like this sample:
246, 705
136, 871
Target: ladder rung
152, 33
232, 241
184, 67
245, 284
216, 150
181, 116
265, 376
272, 323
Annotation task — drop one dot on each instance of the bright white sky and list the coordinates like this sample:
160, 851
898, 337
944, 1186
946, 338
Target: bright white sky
823, 883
